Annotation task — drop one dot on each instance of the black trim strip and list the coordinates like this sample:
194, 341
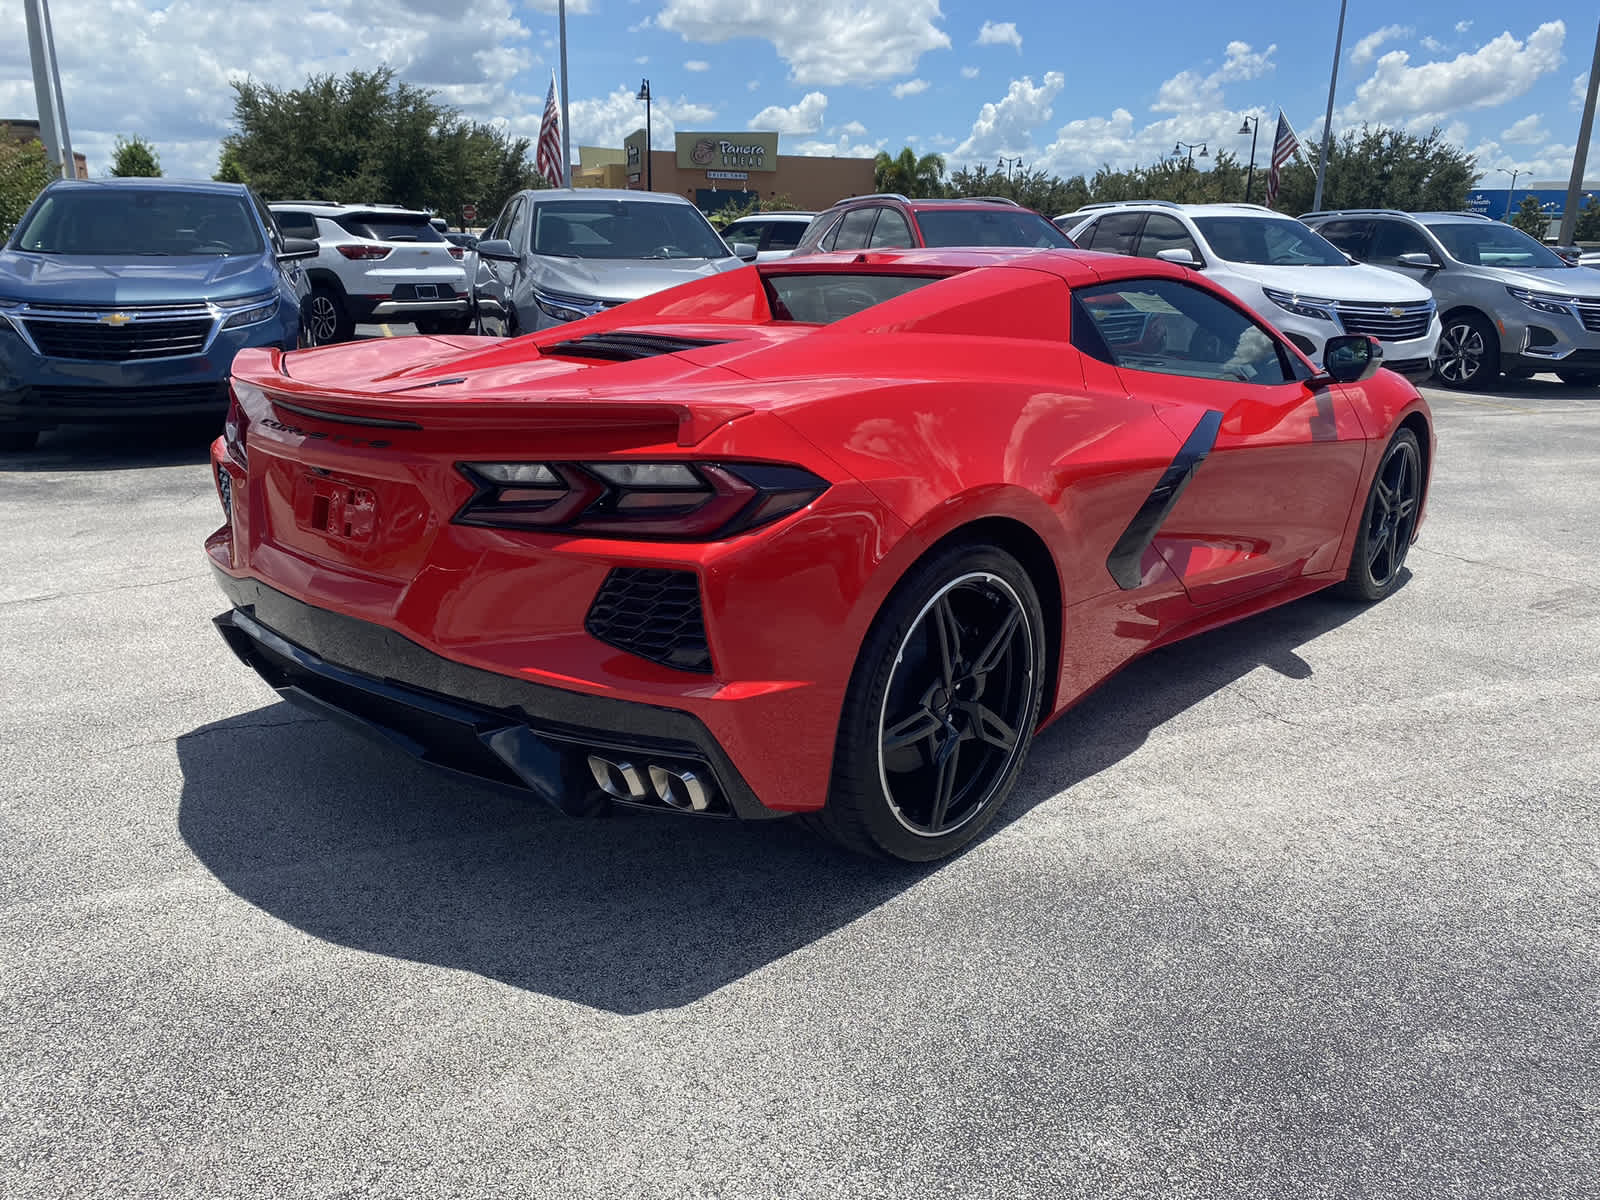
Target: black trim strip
1125, 557
343, 418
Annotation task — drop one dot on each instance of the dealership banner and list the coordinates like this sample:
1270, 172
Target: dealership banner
728, 151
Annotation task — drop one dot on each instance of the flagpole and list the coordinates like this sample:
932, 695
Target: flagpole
566, 128
1327, 121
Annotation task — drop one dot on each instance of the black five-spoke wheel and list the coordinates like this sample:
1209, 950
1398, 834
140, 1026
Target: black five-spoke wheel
941, 710
1389, 520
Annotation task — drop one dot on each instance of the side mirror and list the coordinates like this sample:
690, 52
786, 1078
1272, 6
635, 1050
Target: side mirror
1181, 255
298, 248
1349, 358
497, 249
1418, 259
746, 251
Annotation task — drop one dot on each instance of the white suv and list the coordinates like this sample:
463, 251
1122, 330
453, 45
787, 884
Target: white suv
378, 263
1295, 279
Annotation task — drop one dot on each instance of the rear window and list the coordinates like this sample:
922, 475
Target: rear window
390, 227
999, 226
824, 298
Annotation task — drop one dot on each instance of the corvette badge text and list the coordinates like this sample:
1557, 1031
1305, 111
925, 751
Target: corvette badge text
339, 438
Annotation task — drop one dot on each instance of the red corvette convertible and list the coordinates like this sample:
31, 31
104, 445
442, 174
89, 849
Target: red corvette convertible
831, 537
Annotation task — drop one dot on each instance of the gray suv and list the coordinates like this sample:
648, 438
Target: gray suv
1508, 303
562, 254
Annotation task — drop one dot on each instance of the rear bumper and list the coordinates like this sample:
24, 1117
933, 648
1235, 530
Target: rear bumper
505, 731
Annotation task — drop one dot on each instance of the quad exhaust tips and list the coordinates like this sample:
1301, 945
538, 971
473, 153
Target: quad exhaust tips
676, 787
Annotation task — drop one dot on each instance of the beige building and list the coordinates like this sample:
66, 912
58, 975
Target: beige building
713, 170
25, 130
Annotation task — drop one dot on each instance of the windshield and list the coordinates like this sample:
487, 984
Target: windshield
999, 226
623, 229
1492, 244
1268, 241
124, 221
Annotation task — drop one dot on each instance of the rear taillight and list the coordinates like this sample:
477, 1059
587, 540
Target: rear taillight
457, 253
667, 500
234, 428
364, 253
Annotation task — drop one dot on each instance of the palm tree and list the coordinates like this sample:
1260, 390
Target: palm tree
909, 175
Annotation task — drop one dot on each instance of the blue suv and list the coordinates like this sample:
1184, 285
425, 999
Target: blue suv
123, 301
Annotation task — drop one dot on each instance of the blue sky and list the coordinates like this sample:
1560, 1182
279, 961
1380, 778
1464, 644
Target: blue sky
1065, 89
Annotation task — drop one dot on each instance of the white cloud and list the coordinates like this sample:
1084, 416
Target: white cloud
606, 121
969, 72
1006, 127
854, 129
753, 85
1526, 132
1432, 45
844, 146
642, 59
697, 64
1367, 48
1003, 33
1498, 71
804, 117
1190, 92
1580, 90
825, 42
910, 87
1463, 26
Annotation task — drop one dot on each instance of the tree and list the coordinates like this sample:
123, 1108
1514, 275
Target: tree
1530, 216
134, 158
909, 175
24, 170
228, 168
1588, 229
1381, 168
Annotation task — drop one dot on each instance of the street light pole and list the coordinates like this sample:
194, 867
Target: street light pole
566, 125
1569, 217
1253, 125
1510, 192
649, 177
47, 89
1327, 120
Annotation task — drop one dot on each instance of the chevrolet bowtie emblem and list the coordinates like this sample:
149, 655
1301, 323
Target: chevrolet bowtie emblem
1397, 312
117, 319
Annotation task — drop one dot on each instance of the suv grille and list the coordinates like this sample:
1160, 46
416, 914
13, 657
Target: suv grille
92, 341
652, 613
1387, 322
1589, 313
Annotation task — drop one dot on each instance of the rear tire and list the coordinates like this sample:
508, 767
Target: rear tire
1387, 522
941, 709
18, 441
1469, 353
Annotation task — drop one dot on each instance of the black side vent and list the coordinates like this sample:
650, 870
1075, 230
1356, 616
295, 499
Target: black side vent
623, 347
652, 613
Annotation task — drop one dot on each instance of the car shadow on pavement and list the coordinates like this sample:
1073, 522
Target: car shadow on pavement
627, 914
97, 449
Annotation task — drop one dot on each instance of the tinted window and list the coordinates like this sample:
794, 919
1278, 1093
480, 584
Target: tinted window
783, 235
516, 231
744, 231
623, 229
1391, 239
1162, 232
295, 224
829, 226
1000, 225
143, 221
1116, 233
1353, 237
1270, 241
390, 227
822, 298
1493, 244
855, 229
1173, 329
891, 231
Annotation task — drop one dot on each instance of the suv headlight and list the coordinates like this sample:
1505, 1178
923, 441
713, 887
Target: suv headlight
1546, 302
566, 308
1301, 306
9, 309
250, 311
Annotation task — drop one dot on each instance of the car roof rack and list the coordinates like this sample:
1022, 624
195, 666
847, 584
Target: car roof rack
317, 203
1364, 212
874, 196
989, 200
1098, 204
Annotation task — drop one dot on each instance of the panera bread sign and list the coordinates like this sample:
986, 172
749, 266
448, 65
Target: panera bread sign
728, 151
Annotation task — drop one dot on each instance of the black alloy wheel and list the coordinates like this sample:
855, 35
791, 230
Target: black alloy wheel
1469, 353
1388, 521
941, 710
325, 320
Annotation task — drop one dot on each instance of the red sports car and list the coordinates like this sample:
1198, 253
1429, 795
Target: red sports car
828, 536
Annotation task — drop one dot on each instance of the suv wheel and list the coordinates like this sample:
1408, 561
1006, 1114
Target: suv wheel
326, 320
1469, 353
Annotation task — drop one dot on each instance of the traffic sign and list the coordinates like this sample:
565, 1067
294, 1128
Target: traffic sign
469, 213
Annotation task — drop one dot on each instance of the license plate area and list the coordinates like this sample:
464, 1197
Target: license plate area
427, 291
336, 508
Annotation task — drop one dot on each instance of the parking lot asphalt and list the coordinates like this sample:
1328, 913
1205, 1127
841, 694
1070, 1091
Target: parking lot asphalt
1304, 908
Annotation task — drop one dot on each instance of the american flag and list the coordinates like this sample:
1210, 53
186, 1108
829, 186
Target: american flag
1284, 147
548, 158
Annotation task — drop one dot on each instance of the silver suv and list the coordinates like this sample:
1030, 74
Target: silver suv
378, 263
1508, 303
